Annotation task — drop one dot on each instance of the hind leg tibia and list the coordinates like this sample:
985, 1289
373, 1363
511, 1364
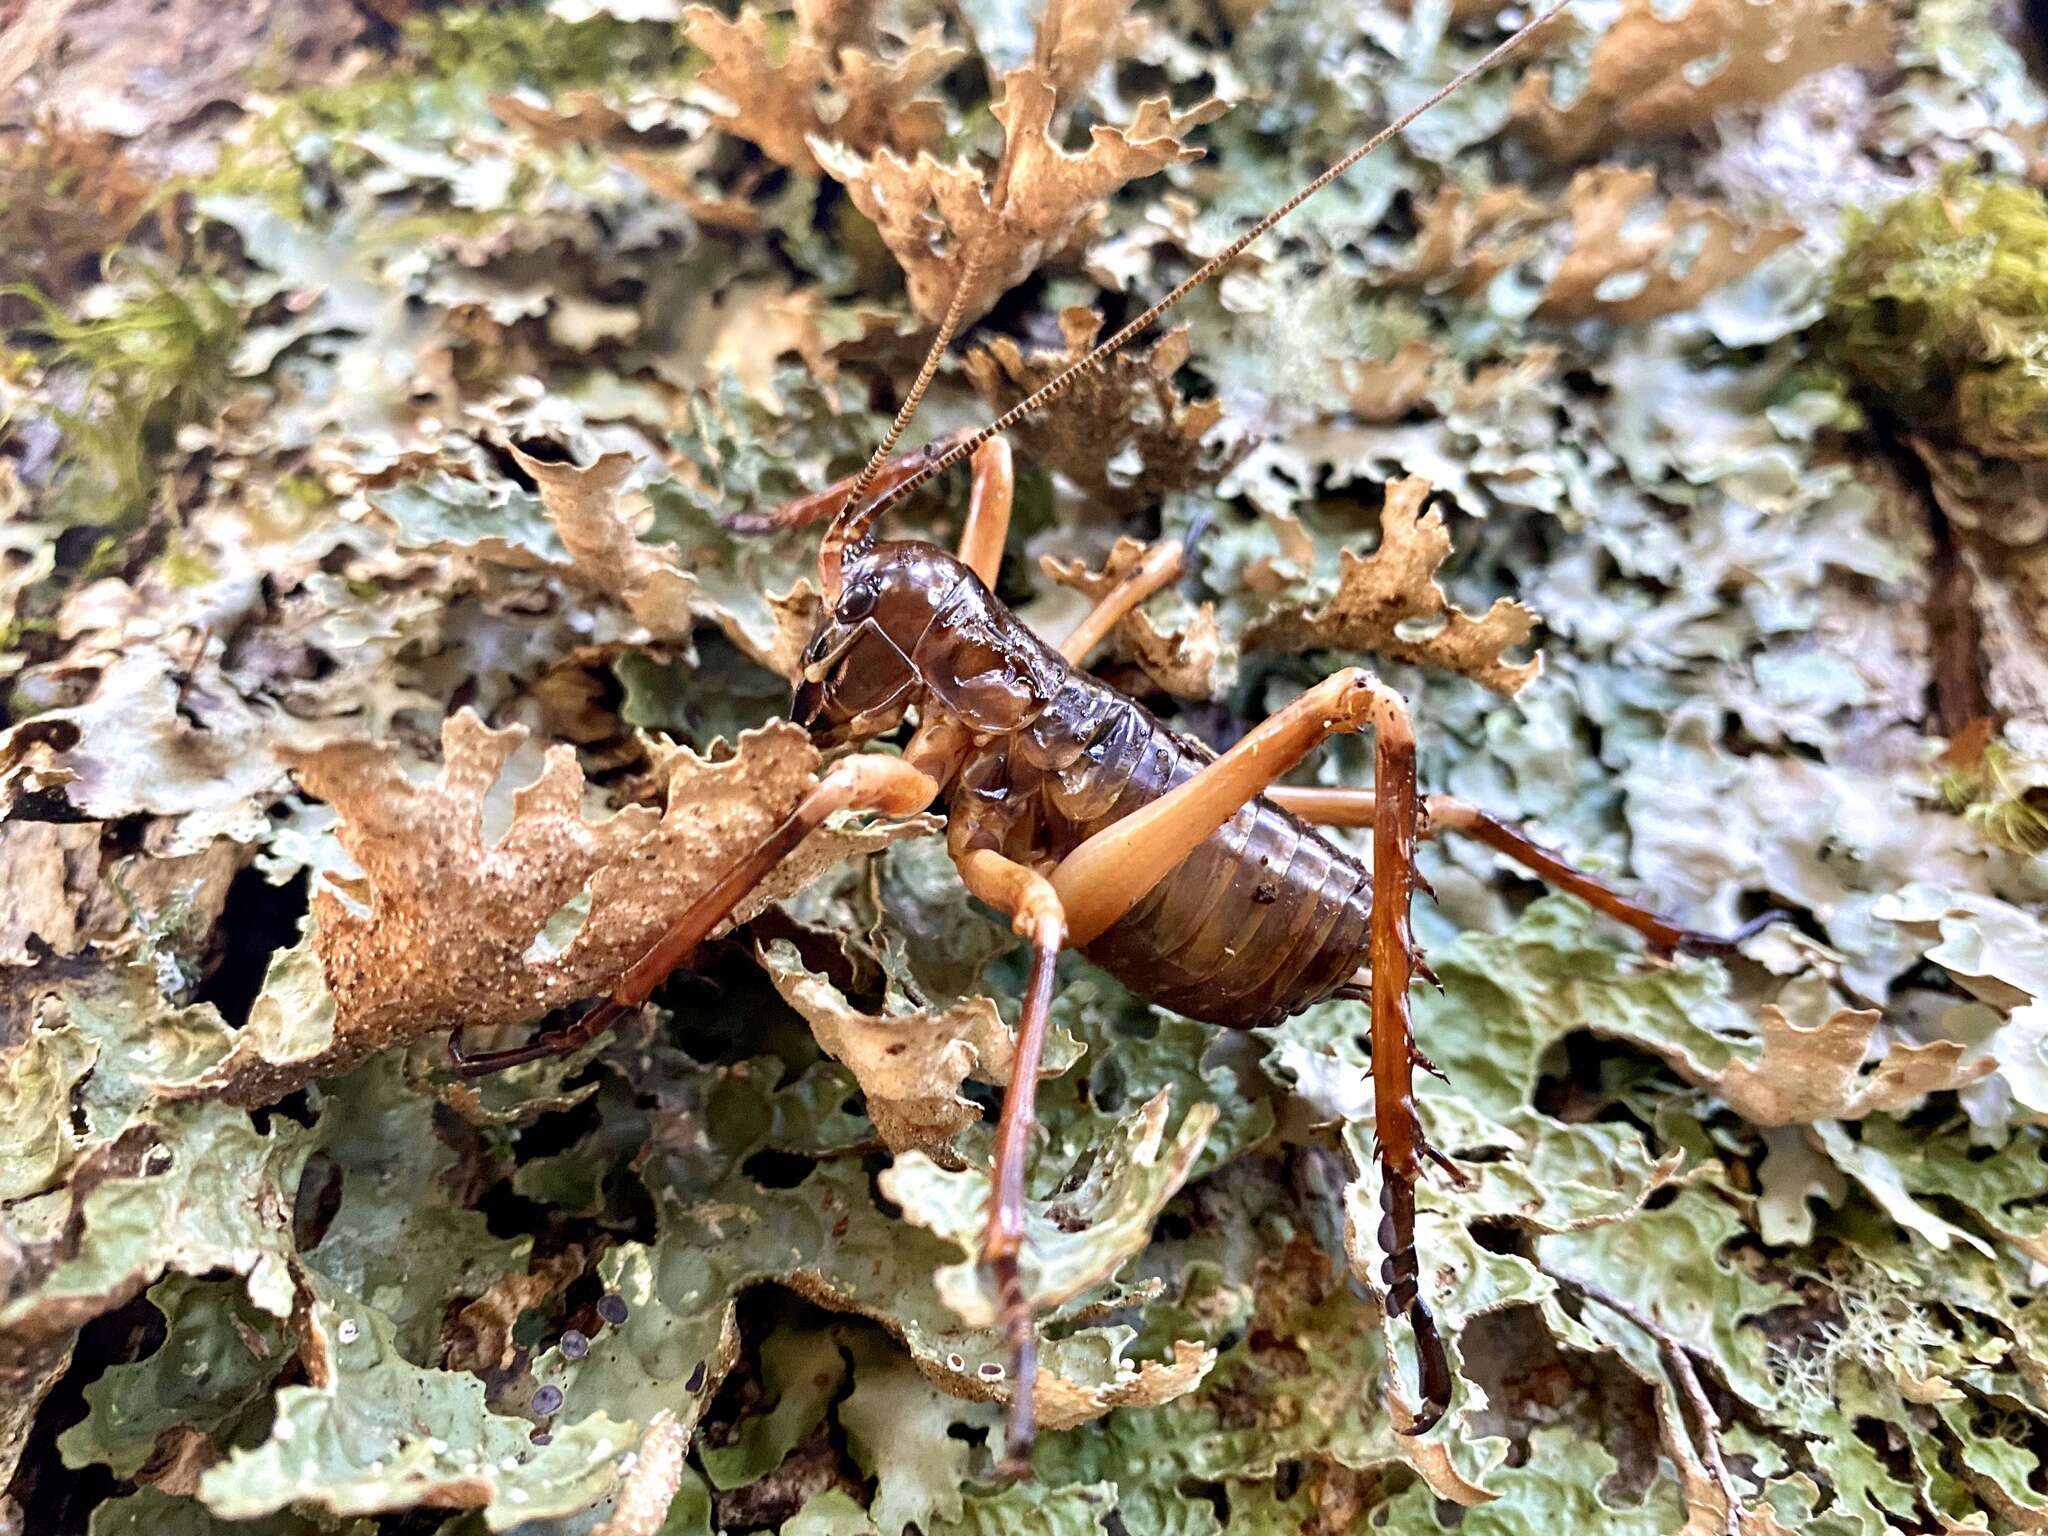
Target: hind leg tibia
1397, 1124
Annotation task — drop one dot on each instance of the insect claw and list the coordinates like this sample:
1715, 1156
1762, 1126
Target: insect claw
1458, 1176
1434, 1363
485, 1063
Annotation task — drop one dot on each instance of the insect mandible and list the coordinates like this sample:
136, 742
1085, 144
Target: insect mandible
1196, 879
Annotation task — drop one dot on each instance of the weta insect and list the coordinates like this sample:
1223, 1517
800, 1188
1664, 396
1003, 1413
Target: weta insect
1194, 878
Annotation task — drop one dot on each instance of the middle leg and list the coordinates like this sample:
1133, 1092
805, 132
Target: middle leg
1037, 917
1160, 565
1445, 813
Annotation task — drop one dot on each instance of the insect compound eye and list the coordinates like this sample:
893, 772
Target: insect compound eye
858, 603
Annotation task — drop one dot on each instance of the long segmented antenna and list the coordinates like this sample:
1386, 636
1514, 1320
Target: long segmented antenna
851, 522
1054, 387
948, 327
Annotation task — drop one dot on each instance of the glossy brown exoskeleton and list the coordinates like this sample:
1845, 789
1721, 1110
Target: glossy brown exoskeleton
1192, 877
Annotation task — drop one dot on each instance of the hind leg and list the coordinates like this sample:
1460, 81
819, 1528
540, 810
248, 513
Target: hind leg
1357, 808
1109, 873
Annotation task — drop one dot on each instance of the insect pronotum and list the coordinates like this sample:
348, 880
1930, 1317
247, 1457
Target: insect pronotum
1094, 827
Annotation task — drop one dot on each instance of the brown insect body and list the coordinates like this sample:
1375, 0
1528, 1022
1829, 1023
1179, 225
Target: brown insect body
1265, 917
915, 625
1096, 827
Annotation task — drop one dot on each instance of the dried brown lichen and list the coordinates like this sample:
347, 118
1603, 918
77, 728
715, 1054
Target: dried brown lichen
941, 221
1613, 246
584, 505
450, 922
1626, 267
910, 1064
1654, 73
784, 90
1385, 600
1121, 432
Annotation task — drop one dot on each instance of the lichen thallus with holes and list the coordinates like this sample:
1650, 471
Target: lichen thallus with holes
1193, 878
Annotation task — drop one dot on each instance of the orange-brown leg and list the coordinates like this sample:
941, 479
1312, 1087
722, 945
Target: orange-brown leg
1356, 808
1109, 873
869, 781
987, 529
1036, 915
1160, 565
1103, 878
1396, 1121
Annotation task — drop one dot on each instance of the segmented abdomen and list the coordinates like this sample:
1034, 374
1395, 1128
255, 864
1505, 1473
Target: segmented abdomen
1264, 918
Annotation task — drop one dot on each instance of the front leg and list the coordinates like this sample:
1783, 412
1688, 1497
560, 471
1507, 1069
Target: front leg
868, 781
991, 493
820, 505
